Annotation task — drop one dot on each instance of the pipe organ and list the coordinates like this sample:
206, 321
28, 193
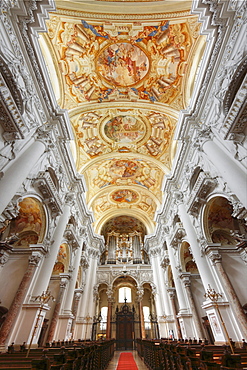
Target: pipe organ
123, 248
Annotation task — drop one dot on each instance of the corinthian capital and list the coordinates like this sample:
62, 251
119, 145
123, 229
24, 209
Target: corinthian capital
35, 258
178, 196
43, 134
70, 199
139, 294
215, 256
204, 134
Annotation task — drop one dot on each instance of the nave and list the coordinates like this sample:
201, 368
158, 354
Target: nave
113, 365
146, 354
123, 164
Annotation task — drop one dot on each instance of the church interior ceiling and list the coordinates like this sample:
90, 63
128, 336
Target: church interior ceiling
123, 74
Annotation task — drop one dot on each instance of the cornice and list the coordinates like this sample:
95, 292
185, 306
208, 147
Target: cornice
122, 17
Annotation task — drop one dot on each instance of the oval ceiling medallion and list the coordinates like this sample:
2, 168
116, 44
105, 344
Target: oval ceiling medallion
123, 64
124, 196
124, 129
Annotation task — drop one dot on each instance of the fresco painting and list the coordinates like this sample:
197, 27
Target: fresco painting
124, 168
124, 196
191, 267
124, 129
62, 261
58, 268
30, 217
123, 64
124, 225
26, 239
62, 254
220, 215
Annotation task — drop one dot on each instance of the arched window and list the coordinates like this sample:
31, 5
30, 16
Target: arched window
146, 314
103, 321
124, 293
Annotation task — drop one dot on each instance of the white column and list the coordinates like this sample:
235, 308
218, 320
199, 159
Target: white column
18, 171
229, 168
48, 264
201, 262
164, 293
158, 301
87, 307
176, 278
159, 281
67, 309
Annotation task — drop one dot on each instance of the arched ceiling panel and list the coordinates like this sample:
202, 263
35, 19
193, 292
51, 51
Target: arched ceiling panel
125, 72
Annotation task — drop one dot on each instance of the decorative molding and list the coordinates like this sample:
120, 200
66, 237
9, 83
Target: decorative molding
70, 234
165, 262
203, 186
84, 262
44, 184
35, 258
178, 234
12, 209
5, 250
239, 211
125, 17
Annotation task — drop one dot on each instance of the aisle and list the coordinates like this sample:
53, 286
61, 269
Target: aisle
114, 362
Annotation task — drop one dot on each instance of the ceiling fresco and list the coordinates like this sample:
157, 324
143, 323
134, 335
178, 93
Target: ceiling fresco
105, 62
123, 82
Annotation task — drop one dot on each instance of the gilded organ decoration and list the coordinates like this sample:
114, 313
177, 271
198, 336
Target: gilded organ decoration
125, 246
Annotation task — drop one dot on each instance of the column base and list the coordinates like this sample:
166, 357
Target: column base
222, 322
31, 315
63, 331
186, 325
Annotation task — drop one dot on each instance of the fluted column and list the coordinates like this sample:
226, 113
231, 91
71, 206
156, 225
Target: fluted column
155, 260
171, 292
20, 295
201, 262
77, 297
227, 166
17, 172
63, 282
86, 308
187, 284
233, 298
67, 309
109, 316
140, 293
48, 264
176, 277
164, 264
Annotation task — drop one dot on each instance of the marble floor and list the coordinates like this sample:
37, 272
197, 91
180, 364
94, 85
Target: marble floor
113, 363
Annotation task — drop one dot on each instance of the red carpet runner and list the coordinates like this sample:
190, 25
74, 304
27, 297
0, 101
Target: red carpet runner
126, 362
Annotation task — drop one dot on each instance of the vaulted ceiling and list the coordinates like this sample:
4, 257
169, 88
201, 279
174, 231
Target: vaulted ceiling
123, 70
